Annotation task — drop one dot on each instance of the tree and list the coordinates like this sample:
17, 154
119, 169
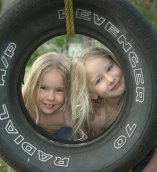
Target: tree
154, 9
5, 3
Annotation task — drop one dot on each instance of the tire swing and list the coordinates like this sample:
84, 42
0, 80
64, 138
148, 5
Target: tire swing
116, 24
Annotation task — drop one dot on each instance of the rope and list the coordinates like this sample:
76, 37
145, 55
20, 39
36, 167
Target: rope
69, 16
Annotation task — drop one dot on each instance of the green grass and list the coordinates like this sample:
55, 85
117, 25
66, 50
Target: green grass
3, 166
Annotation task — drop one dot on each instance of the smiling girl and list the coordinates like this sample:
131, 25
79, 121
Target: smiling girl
45, 92
97, 91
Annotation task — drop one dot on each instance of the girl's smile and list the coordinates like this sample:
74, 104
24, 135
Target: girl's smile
50, 106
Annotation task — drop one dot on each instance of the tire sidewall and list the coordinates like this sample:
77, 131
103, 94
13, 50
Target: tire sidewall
126, 37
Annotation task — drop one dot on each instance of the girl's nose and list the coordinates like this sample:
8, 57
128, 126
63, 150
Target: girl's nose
110, 79
51, 95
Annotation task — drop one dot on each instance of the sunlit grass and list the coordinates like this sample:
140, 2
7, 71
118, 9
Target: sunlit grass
3, 166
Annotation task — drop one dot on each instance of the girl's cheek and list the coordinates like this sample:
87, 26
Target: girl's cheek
41, 95
120, 71
62, 99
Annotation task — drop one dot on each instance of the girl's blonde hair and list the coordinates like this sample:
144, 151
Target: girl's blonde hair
40, 66
81, 104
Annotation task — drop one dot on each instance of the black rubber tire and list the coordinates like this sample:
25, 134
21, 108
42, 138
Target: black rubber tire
114, 23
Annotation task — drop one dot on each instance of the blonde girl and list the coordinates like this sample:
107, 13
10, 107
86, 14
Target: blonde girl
45, 92
97, 91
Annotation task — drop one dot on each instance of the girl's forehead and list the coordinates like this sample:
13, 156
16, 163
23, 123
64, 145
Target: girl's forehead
91, 56
97, 57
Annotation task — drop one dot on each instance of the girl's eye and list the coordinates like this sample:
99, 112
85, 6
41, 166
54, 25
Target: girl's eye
60, 90
43, 87
109, 68
98, 81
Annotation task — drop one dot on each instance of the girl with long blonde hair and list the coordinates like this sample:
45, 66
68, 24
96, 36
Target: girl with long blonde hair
97, 91
46, 92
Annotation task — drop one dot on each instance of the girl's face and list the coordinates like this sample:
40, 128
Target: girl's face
51, 92
104, 77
